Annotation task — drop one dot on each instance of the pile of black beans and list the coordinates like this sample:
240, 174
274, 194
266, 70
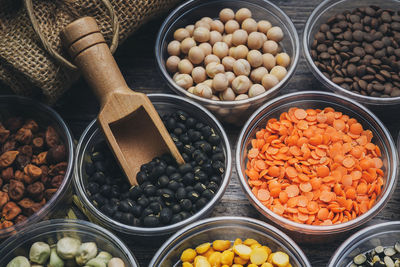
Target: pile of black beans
167, 193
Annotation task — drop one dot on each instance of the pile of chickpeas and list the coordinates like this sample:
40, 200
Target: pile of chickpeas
230, 58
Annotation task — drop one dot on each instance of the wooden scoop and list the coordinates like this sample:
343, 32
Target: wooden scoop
129, 120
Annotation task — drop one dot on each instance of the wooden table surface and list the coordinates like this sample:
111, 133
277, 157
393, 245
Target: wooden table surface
137, 62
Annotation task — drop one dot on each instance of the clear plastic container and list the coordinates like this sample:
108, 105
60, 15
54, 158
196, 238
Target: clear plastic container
227, 228
163, 104
234, 112
317, 99
382, 234
319, 16
52, 230
44, 115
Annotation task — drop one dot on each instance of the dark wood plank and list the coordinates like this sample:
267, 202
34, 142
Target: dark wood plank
136, 60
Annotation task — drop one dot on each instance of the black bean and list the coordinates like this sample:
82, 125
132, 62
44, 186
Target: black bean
186, 204
213, 186
108, 210
208, 194
150, 190
176, 218
137, 210
173, 185
105, 190
155, 207
143, 201
93, 188
167, 194
188, 149
97, 156
184, 215
218, 156
176, 208
218, 167
118, 216
151, 221
201, 176
163, 181
180, 193
184, 138
125, 206
89, 168
199, 187
135, 192
165, 215
115, 191
200, 203
190, 122
141, 177
216, 179
214, 139
98, 177
176, 177
193, 196
185, 168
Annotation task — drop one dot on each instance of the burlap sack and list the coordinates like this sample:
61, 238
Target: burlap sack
28, 67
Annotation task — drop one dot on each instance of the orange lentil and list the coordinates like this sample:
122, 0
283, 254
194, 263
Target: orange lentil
313, 166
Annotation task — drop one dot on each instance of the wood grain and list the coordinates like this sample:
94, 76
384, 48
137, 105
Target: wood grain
136, 60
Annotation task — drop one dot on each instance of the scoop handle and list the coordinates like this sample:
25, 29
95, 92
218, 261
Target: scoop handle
91, 54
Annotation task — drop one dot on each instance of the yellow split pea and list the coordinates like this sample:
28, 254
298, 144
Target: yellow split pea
224, 253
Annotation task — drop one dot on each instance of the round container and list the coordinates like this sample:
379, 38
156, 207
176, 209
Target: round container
51, 231
44, 115
317, 99
382, 234
163, 104
234, 112
320, 15
227, 228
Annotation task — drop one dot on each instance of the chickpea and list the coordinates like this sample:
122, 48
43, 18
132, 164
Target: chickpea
214, 97
240, 51
228, 63
249, 25
257, 74
206, 47
241, 67
227, 95
264, 37
275, 34
239, 37
278, 71
199, 74
263, 26
241, 84
176, 74
242, 14
269, 81
270, 47
202, 23
211, 58
174, 48
220, 82
186, 44
254, 57
203, 91
226, 14
208, 82
227, 38
207, 20
213, 68
282, 59
217, 25
241, 97
256, 89
215, 37
190, 29
181, 34
269, 61
172, 64
184, 80
220, 49
231, 26
230, 76
255, 40
196, 55
201, 34
185, 66
191, 90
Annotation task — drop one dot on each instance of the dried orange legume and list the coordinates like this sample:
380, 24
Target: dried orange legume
315, 166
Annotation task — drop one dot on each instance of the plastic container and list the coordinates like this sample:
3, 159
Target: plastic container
163, 104
317, 99
235, 112
227, 228
382, 234
51, 231
44, 115
319, 16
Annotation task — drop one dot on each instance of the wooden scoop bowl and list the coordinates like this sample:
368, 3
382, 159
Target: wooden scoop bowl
129, 120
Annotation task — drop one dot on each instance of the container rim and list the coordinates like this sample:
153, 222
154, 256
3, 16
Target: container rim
229, 219
161, 67
150, 231
318, 12
318, 229
48, 225
354, 236
56, 118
